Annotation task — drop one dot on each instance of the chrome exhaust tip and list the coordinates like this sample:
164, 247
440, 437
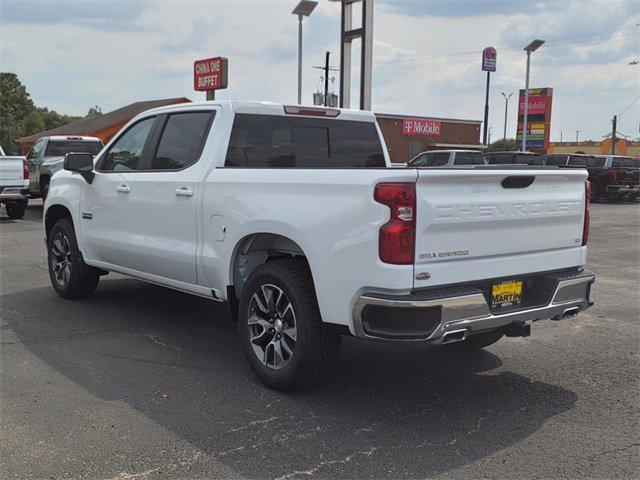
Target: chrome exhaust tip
570, 312
454, 336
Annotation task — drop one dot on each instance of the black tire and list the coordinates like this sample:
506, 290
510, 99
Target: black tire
479, 340
16, 210
44, 188
595, 193
70, 276
315, 346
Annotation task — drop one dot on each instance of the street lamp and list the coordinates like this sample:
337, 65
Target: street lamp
577, 133
532, 47
506, 109
303, 9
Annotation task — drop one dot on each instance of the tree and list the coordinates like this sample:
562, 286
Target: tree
94, 111
20, 117
15, 106
503, 146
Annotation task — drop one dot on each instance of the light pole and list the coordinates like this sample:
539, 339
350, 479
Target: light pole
560, 136
303, 9
577, 133
506, 109
532, 47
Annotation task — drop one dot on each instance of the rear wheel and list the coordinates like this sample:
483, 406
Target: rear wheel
44, 188
70, 276
16, 210
479, 340
280, 327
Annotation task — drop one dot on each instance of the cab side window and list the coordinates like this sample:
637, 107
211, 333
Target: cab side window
125, 154
438, 159
182, 140
36, 150
419, 161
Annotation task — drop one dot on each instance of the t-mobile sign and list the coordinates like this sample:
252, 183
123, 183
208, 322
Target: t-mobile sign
430, 128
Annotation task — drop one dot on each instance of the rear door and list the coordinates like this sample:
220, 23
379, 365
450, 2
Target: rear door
166, 195
491, 221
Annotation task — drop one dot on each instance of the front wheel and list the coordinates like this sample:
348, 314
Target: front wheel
16, 210
280, 327
70, 276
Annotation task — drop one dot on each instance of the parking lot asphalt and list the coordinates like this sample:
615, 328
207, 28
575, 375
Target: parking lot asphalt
141, 382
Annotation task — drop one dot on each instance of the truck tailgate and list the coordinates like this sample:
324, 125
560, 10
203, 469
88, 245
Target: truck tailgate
492, 216
11, 172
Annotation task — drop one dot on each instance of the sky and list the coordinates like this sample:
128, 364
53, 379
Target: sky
73, 54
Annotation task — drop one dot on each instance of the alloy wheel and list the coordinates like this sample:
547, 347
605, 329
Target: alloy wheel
61, 258
272, 326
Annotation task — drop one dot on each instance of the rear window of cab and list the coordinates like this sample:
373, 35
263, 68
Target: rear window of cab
270, 141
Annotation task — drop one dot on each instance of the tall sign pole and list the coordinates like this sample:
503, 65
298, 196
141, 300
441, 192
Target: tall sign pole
347, 35
488, 65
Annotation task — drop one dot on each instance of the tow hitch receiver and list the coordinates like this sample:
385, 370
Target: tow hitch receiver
517, 330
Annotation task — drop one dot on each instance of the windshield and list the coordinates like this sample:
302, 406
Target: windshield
59, 148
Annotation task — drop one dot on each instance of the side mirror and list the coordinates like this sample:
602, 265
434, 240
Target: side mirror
81, 163
78, 162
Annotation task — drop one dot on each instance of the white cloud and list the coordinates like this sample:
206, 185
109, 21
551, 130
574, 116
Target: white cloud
421, 61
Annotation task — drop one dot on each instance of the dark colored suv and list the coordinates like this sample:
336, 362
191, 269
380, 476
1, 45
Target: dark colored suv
612, 177
511, 158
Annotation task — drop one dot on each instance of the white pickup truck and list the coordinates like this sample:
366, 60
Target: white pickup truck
14, 184
292, 215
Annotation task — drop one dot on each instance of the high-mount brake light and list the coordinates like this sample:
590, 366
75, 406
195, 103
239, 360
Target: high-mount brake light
396, 243
311, 111
587, 217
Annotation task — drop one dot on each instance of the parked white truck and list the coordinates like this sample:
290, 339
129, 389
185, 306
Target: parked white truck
14, 184
292, 215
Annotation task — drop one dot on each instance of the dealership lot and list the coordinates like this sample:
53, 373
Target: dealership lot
144, 382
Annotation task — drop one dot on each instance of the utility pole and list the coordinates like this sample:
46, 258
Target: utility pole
326, 78
489, 140
506, 109
577, 133
560, 136
613, 135
326, 69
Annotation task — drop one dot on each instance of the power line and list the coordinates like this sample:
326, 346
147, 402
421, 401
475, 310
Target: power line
630, 105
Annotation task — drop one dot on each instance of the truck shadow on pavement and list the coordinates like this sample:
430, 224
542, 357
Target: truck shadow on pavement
386, 411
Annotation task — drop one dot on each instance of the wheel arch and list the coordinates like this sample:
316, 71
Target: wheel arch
53, 214
256, 249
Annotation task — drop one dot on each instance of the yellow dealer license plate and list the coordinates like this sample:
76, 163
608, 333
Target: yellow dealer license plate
506, 293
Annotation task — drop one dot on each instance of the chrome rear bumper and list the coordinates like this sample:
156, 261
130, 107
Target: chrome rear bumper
12, 194
461, 309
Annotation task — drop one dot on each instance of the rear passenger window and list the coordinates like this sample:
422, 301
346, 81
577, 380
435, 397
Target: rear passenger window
578, 161
468, 158
556, 160
182, 140
263, 141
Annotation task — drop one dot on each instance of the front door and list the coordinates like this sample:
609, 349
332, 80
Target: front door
166, 197
106, 220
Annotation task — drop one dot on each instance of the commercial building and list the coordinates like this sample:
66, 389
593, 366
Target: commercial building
623, 147
406, 135
102, 126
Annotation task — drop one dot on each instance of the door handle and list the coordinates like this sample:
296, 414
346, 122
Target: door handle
184, 192
123, 189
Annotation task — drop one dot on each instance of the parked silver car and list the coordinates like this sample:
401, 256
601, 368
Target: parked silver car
46, 157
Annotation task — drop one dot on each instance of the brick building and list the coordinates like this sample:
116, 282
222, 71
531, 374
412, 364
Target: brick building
406, 135
102, 126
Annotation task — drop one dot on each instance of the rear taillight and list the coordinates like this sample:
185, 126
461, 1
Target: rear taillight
397, 236
613, 173
25, 169
587, 201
